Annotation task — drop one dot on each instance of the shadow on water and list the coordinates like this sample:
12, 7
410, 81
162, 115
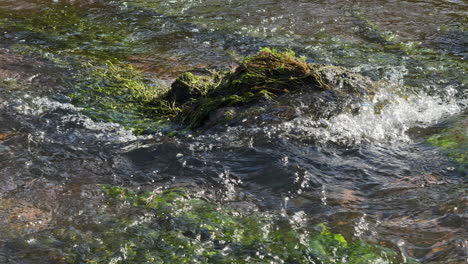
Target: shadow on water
367, 176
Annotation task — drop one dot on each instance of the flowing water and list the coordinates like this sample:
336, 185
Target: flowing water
367, 174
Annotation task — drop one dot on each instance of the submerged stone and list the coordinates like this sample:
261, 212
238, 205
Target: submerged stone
179, 227
18, 72
22, 216
453, 141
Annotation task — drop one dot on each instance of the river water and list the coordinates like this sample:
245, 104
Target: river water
368, 175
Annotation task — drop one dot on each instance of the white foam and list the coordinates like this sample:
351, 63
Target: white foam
391, 124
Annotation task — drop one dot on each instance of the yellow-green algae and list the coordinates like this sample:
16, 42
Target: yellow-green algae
118, 93
173, 226
68, 28
372, 31
453, 141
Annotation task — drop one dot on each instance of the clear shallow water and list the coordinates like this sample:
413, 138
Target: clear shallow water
366, 175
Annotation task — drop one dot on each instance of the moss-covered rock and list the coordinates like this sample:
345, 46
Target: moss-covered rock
273, 72
189, 86
267, 75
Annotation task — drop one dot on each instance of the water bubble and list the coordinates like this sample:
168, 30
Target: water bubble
285, 160
251, 142
298, 219
323, 195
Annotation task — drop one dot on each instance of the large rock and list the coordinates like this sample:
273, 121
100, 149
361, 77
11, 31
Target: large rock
279, 78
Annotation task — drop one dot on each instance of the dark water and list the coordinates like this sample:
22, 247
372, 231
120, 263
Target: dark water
367, 175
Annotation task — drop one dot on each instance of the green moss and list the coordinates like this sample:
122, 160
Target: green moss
68, 28
174, 227
200, 85
189, 86
9, 83
274, 71
118, 93
371, 31
453, 141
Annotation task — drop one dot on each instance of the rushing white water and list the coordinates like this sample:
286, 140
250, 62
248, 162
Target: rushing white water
390, 125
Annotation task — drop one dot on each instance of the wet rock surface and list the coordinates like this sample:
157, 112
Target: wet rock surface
22, 72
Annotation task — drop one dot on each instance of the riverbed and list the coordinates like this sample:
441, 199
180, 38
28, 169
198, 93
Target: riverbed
391, 173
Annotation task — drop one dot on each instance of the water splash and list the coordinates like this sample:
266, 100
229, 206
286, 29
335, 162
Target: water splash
229, 184
361, 226
323, 196
390, 124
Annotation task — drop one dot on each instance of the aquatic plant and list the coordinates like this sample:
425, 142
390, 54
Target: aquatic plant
9, 83
189, 86
371, 31
275, 71
118, 93
172, 226
67, 28
453, 141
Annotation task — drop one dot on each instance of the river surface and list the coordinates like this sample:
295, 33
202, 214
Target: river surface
367, 175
